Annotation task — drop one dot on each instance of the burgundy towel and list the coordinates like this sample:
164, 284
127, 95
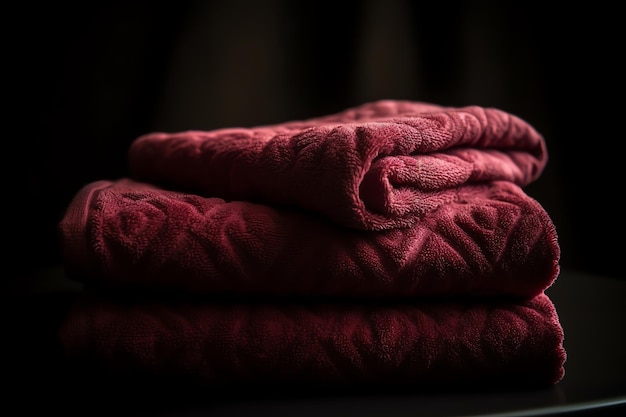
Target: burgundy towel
377, 166
491, 239
463, 342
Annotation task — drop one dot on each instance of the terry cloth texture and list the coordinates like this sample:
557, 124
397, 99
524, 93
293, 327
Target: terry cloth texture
390, 242
378, 166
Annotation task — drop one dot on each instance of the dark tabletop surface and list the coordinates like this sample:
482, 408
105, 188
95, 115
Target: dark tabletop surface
592, 310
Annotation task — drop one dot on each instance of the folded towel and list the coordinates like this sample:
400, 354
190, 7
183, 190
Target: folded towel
447, 343
391, 242
491, 240
377, 166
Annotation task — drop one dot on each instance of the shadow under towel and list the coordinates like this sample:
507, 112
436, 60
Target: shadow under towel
377, 166
501, 343
491, 240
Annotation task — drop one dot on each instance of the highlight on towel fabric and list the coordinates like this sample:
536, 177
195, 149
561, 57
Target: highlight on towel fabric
501, 343
380, 165
492, 240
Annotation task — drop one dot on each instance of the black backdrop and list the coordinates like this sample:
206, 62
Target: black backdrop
88, 78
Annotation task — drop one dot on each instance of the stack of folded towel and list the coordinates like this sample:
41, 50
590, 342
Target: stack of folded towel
390, 242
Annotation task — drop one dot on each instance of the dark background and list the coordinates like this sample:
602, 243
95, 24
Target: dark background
86, 78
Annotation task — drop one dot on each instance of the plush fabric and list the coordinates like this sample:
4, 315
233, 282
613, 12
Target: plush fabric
377, 166
390, 242
501, 342
493, 240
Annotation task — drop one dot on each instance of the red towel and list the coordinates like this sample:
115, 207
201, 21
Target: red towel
391, 242
377, 166
492, 240
448, 343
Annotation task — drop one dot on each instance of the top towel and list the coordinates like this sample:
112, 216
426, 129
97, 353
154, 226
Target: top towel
381, 165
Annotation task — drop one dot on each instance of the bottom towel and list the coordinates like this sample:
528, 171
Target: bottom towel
454, 342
